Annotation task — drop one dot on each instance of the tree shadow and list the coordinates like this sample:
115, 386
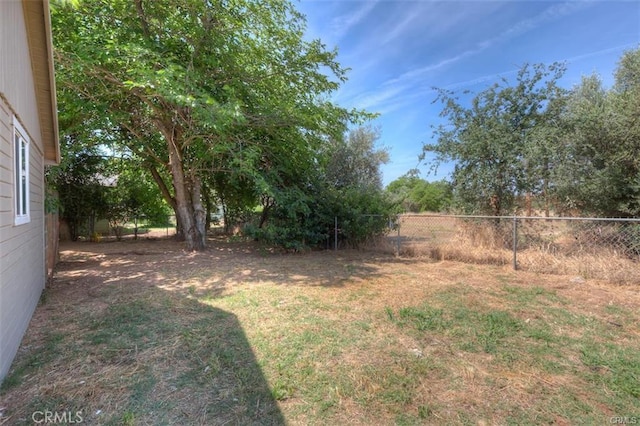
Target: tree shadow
224, 265
118, 353
125, 333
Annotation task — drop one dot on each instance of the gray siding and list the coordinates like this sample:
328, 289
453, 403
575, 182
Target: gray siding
22, 262
16, 72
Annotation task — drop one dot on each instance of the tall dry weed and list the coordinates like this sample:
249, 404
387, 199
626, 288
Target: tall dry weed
551, 250
489, 235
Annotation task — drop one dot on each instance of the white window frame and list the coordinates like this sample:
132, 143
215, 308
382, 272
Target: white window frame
21, 144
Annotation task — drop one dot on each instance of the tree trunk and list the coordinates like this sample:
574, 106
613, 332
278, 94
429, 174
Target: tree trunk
225, 213
179, 228
208, 205
267, 204
199, 214
227, 222
188, 207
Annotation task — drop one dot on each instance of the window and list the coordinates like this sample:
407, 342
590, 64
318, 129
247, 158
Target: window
21, 167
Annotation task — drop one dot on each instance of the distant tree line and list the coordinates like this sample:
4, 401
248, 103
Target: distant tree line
533, 144
411, 194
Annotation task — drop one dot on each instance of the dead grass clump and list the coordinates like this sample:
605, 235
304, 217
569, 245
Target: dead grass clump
409, 251
605, 265
549, 247
491, 235
464, 252
436, 253
380, 244
472, 254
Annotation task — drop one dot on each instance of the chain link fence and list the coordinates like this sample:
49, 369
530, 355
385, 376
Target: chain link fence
367, 231
602, 248
93, 229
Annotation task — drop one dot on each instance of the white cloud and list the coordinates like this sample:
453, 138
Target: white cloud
372, 99
556, 11
478, 80
342, 24
429, 20
419, 72
400, 28
603, 52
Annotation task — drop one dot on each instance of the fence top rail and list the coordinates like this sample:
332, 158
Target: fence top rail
457, 216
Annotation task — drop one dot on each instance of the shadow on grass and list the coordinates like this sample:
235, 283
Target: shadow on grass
223, 265
122, 338
134, 354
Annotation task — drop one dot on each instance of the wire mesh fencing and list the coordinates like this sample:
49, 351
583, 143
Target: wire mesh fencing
603, 248
366, 231
97, 229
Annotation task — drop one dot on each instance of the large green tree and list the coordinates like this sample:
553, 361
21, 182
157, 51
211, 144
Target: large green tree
299, 206
499, 151
599, 170
198, 88
626, 94
413, 194
355, 160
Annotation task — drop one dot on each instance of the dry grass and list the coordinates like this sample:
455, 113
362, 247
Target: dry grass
550, 247
606, 265
145, 333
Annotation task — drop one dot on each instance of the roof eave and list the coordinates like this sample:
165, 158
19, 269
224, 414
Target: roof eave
38, 21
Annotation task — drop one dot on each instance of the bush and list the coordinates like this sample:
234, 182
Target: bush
302, 220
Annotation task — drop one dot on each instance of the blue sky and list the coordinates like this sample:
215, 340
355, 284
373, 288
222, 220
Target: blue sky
398, 50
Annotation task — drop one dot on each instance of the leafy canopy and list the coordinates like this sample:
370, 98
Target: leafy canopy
224, 97
494, 143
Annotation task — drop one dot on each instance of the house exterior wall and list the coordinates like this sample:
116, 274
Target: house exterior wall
22, 257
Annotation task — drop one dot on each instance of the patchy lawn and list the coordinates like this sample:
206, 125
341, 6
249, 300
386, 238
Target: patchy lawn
143, 333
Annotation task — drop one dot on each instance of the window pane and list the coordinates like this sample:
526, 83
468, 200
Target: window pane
18, 172
24, 195
21, 179
23, 155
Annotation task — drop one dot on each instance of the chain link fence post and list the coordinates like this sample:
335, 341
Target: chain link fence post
515, 243
398, 219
